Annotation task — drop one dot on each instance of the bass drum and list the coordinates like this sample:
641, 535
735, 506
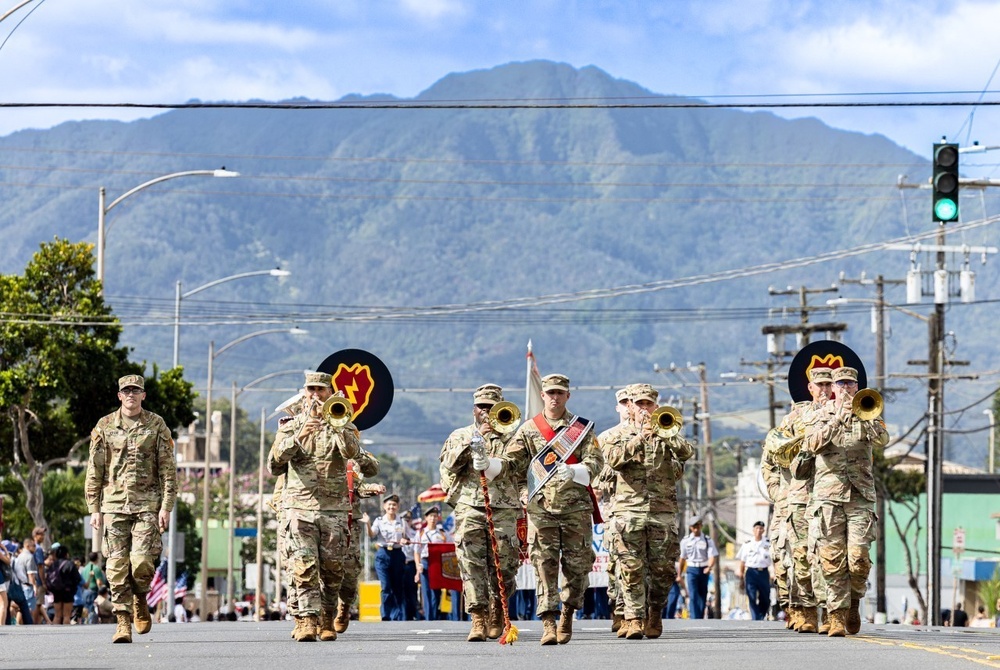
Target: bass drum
762, 485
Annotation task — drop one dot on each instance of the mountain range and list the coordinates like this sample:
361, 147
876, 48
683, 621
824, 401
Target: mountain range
616, 237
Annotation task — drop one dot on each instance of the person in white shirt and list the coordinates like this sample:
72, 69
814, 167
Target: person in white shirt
698, 556
431, 532
180, 614
754, 572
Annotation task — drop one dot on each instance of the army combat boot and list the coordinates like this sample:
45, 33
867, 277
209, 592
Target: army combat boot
808, 620
478, 632
654, 623
838, 620
549, 628
853, 624
564, 632
494, 627
307, 628
140, 614
823, 616
788, 617
326, 631
297, 630
343, 619
124, 631
616, 622
633, 629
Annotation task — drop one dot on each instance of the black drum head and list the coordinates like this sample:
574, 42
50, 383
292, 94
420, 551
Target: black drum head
364, 380
821, 354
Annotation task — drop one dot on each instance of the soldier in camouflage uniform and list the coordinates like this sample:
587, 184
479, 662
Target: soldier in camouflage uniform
842, 508
645, 513
460, 469
131, 480
777, 479
606, 484
560, 521
313, 455
365, 465
802, 600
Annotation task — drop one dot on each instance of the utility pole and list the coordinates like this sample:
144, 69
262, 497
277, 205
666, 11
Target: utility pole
706, 440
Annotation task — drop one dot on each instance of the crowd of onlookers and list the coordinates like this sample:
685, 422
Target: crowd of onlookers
39, 586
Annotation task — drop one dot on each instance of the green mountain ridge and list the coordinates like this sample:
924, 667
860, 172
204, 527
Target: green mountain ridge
396, 209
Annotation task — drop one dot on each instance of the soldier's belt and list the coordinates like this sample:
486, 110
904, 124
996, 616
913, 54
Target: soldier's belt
387, 547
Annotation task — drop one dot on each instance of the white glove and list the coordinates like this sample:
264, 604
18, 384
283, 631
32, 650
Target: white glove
563, 474
480, 461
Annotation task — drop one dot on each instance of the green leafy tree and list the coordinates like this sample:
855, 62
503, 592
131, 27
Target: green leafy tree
59, 365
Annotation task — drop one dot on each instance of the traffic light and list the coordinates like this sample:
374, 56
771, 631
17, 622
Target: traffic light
945, 182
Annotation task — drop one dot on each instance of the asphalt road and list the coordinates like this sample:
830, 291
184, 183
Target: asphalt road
441, 645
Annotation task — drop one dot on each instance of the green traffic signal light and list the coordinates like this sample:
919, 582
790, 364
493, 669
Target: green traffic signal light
944, 182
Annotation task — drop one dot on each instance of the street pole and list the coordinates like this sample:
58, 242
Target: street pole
260, 519
205, 491
880, 372
706, 436
232, 498
935, 443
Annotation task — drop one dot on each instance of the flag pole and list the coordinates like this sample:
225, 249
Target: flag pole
527, 380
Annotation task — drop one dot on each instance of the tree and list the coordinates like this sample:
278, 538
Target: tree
59, 365
904, 488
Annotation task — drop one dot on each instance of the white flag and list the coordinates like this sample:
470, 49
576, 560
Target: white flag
532, 387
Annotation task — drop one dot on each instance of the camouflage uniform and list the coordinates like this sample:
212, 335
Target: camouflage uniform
606, 482
560, 526
645, 516
472, 540
315, 506
292, 600
131, 477
842, 523
369, 467
796, 522
777, 480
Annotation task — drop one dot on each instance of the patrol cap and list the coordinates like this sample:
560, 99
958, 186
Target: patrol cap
392, 497
758, 523
644, 392
817, 375
622, 394
845, 374
487, 394
555, 381
318, 379
131, 380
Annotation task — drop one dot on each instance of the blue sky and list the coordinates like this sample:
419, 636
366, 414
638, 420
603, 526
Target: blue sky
160, 51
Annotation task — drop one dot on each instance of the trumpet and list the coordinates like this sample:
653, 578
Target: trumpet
504, 417
867, 404
666, 421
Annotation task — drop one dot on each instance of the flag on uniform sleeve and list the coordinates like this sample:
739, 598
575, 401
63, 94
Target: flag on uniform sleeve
158, 587
532, 387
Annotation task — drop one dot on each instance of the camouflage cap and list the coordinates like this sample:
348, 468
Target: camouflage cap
622, 394
131, 380
845, 374
318, 379
487, 394
555, 381
644, 392
817, 375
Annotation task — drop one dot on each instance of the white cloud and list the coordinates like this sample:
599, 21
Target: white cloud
432, 10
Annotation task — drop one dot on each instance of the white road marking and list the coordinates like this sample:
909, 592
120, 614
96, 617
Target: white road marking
415, 647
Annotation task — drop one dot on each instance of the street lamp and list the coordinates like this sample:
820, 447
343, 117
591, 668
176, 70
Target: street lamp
212, 355
103, 209
232, 472
172, 534
178, 296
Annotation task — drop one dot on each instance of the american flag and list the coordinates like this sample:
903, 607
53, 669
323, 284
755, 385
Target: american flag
181, 586
158, 587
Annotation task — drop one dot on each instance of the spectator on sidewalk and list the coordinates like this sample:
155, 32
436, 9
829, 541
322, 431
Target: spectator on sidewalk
63, 578
93, 579
26, 573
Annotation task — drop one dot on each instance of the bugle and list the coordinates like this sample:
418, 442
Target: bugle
504, 417
666, 421
867, 404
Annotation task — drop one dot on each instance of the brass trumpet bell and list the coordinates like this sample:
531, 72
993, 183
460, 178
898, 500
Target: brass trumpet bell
505, 417
867, 404
666, 421
337, 411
